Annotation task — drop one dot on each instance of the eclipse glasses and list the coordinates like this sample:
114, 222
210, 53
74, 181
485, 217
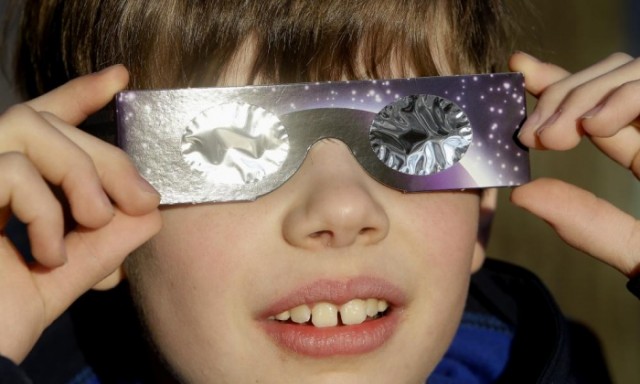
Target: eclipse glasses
203, 145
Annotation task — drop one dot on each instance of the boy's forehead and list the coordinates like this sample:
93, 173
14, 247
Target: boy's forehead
413, 134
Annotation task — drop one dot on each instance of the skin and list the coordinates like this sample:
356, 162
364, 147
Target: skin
39, 144
601, 103
330, 219
202, 295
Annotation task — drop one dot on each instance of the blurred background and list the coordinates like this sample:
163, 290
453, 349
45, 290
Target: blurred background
573, 34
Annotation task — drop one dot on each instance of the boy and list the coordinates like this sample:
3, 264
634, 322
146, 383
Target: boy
211, 282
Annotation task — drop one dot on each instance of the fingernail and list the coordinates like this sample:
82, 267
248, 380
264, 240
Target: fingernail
531, 122
593, 112
550, 121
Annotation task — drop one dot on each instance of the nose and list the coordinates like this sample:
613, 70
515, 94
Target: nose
334, 204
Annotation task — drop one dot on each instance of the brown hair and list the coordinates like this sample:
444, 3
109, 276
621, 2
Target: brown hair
178, 43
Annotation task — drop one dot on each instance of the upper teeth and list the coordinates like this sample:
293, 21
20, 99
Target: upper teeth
326, 314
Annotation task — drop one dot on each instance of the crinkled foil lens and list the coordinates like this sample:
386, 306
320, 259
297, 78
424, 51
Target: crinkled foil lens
420, 134
235, 143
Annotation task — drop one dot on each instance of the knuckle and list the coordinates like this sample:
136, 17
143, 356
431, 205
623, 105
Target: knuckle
578, 95
553, 94
629, 89
19, 110
83, 165
48, 211
19, 124
14, 166
120, 159
14, 114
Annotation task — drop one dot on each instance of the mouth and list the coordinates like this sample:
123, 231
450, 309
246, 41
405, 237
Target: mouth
331, 318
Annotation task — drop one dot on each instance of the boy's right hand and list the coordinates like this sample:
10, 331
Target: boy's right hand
114, 210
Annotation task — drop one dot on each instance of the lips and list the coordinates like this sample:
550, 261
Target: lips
328, 318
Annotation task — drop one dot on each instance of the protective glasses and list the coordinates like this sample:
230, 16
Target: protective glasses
204, 145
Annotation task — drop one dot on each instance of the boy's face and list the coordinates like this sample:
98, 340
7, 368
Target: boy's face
216, 276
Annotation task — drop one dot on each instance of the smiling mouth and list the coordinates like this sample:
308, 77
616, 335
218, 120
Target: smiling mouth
335, 317
324, 314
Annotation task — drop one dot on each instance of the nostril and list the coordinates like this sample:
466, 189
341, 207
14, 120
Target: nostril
321, 234
366, 230
324, 237
330, 238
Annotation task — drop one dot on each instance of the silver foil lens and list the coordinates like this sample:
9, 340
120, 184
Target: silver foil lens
420, 134
235, 143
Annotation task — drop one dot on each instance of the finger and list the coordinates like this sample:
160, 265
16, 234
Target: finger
21, 304
538, 76
74, 101
619, 109
550, 110
598, 83
584, 221
31, 201
59, 160
93, 255
118, 176
624, 148
614, 126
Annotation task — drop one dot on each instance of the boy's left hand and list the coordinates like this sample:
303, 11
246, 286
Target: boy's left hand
601, 102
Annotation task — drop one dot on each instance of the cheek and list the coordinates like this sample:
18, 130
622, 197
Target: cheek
443, 229
450, 235
442, 238
184, 257
209, 244
200, 266
204, 275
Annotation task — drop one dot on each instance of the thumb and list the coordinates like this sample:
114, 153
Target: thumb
584, 221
